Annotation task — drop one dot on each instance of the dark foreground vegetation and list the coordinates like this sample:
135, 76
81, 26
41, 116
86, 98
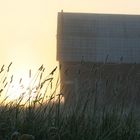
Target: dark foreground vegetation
49, 118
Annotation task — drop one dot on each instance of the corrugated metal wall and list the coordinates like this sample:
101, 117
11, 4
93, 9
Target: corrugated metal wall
95, 37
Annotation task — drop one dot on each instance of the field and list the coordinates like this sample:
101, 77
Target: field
40, 110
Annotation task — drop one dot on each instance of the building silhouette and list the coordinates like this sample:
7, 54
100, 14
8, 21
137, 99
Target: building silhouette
93, 49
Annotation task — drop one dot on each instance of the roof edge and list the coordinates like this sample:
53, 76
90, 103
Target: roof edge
87, 13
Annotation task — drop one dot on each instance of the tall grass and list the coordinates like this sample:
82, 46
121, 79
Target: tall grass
47, 118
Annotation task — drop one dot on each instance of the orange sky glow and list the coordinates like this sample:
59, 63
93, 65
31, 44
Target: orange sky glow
28, 28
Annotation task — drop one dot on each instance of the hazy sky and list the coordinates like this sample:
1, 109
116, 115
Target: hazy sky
28, 27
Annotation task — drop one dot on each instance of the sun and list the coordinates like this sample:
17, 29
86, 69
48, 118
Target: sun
18, 88
26, 86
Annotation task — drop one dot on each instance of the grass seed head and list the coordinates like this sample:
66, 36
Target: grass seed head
17, 136
27, 137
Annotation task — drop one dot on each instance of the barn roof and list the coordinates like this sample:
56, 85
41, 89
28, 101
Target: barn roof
97, 37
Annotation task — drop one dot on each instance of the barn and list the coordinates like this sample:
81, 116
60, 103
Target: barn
99, 53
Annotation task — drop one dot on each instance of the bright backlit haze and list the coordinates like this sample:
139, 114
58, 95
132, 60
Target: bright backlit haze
28, 28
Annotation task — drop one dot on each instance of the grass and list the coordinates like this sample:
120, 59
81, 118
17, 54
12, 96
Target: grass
47, 118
